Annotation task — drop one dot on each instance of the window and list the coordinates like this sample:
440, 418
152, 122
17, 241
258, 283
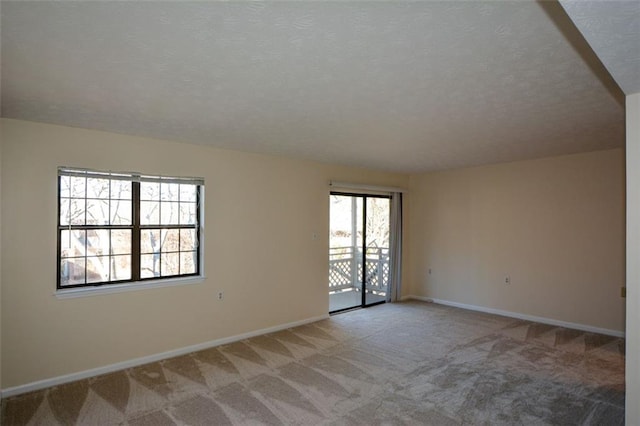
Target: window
126, 227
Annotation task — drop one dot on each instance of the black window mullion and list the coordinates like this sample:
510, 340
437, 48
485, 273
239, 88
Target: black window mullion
86, 191
135, 233
88, 227
59, 266
109, 256
198, 208
179, 235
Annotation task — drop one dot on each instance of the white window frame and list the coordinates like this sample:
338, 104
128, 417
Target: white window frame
106, 287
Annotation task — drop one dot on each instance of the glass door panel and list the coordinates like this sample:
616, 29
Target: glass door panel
377, 249
345, 252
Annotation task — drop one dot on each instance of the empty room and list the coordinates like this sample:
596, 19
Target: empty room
320, 212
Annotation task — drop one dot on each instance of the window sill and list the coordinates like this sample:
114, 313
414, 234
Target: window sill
120, 288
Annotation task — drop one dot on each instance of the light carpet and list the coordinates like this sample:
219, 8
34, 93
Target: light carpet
406, 363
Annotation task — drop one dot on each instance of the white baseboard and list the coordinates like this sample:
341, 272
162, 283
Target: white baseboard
55, 381
517, 315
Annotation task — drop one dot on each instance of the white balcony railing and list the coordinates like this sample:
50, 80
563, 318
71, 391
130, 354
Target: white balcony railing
345, 269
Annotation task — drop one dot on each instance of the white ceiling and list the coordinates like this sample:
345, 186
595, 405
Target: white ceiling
401, 86
612, 29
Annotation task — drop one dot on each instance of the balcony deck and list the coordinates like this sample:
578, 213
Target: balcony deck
350, 299
346, 275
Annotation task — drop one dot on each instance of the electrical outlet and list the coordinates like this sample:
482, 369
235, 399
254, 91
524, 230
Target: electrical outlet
507, 279
220, 295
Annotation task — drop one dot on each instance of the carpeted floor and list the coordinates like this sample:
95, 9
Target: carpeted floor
408, 363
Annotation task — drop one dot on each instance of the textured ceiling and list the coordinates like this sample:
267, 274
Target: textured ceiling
612, 29
402, 86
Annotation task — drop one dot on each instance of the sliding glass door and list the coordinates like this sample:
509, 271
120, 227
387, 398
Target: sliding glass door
358, 250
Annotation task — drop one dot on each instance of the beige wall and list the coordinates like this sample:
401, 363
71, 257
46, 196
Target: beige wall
555, 226
261, 212
632, 413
